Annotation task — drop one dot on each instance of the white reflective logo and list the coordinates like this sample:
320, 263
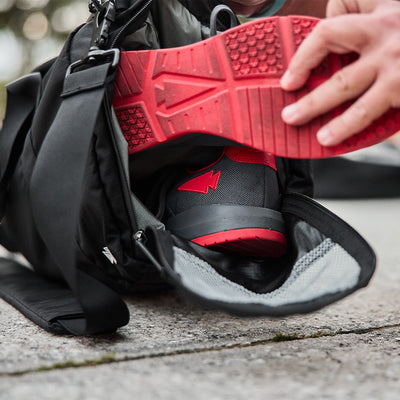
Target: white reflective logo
106, 251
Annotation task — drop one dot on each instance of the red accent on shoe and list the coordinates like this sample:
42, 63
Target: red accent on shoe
250, 156
249, 242
201, 183
235, 92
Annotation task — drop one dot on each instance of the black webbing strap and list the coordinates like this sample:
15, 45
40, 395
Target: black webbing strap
56, 189
21, 101
43, 301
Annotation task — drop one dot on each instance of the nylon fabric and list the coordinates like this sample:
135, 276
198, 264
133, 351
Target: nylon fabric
174, 23
22, 98
143, 217
171, 33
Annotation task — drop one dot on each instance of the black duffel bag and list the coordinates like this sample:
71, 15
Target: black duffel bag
68, 206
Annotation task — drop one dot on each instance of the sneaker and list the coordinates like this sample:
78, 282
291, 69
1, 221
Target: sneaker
228, 87
231, 204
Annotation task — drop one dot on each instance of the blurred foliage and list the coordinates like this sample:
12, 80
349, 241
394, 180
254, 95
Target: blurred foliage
13, 16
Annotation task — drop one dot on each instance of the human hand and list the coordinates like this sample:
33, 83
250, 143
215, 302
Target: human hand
370, 28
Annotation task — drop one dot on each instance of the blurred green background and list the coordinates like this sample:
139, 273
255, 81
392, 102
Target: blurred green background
31, 32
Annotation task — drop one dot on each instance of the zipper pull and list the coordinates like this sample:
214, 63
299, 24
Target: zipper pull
140, 236
140, 239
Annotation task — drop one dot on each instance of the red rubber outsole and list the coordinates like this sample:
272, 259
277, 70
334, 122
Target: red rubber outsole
229, 86
250, 242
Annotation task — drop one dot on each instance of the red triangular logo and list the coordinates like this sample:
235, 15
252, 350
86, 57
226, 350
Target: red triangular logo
201, 183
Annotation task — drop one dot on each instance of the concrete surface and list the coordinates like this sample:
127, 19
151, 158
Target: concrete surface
172, 349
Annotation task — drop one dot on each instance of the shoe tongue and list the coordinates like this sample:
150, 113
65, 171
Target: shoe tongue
250, 156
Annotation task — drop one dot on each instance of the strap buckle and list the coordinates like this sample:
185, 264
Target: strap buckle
104, 11
95, 57
104, 16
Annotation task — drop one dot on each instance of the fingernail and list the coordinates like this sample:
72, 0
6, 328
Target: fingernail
286, 79
290, 113
324, 136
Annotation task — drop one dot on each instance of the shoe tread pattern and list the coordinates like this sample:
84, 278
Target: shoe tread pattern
228, 86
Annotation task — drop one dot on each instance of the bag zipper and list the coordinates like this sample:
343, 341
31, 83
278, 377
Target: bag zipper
130, 21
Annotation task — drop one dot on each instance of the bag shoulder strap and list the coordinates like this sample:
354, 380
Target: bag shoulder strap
87, 306
56, 189
44, 302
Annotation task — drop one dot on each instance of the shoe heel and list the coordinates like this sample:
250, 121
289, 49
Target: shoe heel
250, 231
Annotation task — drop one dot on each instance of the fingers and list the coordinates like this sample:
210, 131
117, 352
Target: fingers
340, 35
369, 28
310, 54
335, 8
360, 115
340, 7
346, 84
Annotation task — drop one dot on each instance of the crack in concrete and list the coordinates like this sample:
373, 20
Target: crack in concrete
111, 358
